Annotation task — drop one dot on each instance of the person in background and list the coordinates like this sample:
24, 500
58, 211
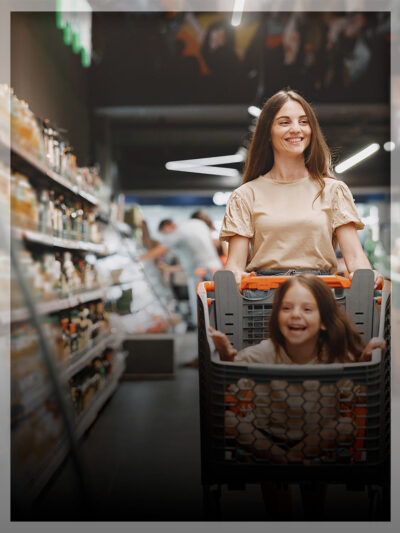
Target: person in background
290, 212
221, 247
191, 242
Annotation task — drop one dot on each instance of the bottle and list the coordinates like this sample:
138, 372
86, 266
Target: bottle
62, 217
65, 336
44, 212
56, 152
52, 214
73, 337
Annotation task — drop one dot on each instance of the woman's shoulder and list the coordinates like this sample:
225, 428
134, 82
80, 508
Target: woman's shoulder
247, 189
333, 184
245, 192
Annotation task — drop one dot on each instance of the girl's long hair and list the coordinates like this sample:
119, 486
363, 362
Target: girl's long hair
340, 337
260, 157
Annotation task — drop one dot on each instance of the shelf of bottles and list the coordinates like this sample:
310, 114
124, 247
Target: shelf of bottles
58, 240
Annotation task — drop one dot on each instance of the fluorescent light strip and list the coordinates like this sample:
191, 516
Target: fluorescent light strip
217, 171
357, 158
237, 12
219, 160
254, 111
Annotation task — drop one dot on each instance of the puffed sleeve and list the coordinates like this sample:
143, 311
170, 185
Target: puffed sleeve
344, 209
237, 219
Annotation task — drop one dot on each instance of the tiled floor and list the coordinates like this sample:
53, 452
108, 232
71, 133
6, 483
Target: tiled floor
142, 460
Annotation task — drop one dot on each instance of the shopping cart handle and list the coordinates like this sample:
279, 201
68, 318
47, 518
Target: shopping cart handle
264, 283
273, 282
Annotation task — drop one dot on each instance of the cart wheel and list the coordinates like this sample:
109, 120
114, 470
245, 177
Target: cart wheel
211, 502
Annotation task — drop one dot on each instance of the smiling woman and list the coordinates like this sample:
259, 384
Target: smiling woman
291, 212
290, 131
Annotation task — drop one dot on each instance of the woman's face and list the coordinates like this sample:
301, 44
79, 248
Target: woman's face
290, 131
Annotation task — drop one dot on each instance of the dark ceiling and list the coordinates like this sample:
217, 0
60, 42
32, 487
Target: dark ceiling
171, 99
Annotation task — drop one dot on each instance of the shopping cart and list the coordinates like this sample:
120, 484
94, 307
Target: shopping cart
249, 413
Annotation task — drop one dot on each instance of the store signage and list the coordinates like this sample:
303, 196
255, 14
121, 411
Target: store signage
74, 17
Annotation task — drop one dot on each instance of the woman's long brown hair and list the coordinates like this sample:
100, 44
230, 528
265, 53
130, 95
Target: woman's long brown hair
260, 157
340, 337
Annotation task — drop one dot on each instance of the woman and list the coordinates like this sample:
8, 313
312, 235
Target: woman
290, 212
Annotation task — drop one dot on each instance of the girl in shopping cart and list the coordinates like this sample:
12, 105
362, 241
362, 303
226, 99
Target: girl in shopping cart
307, 326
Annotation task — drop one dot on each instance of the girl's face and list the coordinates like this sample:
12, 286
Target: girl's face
299, 319
290, 130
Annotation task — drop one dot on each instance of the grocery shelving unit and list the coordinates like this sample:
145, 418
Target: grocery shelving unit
53, 306
32, 399
42, 403
23, 161
43, 239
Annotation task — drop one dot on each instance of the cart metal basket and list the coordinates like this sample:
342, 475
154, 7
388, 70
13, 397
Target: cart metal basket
292, 423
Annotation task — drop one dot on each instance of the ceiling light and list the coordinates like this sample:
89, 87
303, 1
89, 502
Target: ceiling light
254, 111
219, 160
237, 12
389, 146
221, 198
357, 158
217, 171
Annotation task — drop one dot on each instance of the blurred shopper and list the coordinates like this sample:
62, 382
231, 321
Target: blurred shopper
220, 246
191, 242
290, 208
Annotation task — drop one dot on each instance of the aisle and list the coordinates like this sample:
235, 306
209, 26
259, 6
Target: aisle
142, 457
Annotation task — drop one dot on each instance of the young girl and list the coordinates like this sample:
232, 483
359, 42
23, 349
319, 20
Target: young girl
307, 326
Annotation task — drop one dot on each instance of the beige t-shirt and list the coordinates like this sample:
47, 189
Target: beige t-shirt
264, 353
286, 229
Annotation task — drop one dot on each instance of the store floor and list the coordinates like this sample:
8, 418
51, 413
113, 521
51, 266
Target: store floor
142, 458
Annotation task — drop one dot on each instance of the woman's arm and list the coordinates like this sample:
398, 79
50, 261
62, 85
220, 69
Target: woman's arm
238, 252
352, 251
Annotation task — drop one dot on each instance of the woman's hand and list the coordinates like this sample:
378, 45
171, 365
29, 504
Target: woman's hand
378, 279
239, 275
353, 253
373, 344
225, 349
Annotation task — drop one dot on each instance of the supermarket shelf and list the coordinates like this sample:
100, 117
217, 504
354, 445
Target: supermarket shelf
52, 463
52, 306
87, 418
56, 242
21, 159
33, 400
83, 357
